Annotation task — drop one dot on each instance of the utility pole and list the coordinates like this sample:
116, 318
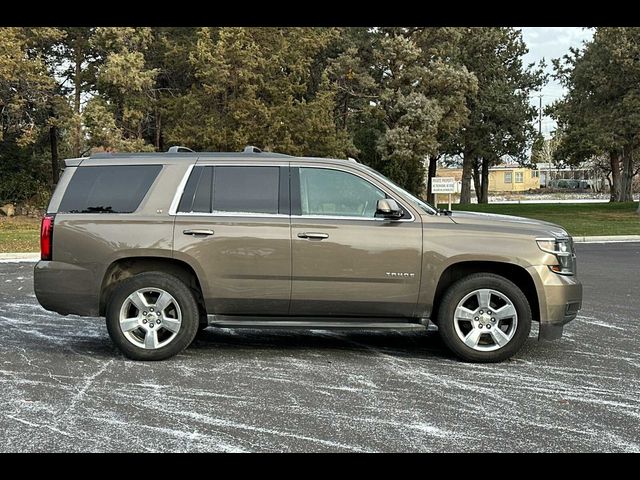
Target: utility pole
540, 116
548, 179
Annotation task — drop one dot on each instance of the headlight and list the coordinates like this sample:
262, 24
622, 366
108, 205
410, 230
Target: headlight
562, 248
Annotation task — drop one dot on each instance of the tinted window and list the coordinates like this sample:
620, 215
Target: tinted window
190, 190
232, 189
108, 189
202, 197
335, 193
197, 191
246, 189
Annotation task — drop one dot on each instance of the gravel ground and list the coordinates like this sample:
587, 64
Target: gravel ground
64, 387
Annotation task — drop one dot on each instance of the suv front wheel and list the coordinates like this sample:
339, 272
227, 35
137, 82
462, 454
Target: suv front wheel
152, 316
484, 318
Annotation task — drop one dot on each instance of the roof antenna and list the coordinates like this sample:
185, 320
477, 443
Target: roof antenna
179, 149
251, 149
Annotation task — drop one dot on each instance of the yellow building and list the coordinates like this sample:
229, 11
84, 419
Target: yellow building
502, 178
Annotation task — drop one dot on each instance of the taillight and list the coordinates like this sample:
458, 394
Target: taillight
46, 237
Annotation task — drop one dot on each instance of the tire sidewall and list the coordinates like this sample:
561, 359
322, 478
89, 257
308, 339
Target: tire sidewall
463, 287
180, 292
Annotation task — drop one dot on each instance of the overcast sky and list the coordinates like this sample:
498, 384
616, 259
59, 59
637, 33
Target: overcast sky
548, 43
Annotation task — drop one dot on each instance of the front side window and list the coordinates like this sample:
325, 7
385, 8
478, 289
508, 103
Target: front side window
507, 177
326, 192
519, 177
232, 189
108, 189
421, 205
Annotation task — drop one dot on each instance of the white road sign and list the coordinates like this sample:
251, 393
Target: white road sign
443, 185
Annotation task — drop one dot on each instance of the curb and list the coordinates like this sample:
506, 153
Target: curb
19, 257
608, 239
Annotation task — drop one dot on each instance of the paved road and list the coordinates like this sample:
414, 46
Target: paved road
63, 386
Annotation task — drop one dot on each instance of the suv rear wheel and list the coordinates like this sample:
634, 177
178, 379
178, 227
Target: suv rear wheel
152, 316
484, 318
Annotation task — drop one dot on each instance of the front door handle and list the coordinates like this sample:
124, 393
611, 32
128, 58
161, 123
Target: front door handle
314, 235
198, 232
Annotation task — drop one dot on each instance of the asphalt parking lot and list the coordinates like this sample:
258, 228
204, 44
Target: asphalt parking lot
64, 387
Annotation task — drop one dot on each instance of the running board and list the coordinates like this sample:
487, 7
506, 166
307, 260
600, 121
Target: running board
253, 322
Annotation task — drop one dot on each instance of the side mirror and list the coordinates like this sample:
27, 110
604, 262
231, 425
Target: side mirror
388, 208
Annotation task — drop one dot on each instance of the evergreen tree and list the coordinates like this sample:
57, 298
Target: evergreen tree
501, 118
600, 115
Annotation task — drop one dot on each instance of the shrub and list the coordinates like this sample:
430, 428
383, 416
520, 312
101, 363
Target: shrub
22, 187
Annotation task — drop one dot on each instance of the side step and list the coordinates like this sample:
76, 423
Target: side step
253, 322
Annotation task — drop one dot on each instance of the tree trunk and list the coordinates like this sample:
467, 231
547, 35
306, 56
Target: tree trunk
614, 158
55, 164
158, 132
477, 185
77, 84
467, 167
345, 112
433, 166
626, 179
484, 189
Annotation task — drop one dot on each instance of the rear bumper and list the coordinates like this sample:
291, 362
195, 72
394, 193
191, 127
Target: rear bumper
559, 298
66, 289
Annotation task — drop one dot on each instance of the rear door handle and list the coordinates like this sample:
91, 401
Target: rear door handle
198, 232
314, 235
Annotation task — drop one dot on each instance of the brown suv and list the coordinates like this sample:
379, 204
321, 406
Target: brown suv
164, 244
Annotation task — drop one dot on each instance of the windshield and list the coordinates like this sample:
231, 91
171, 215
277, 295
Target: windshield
415, 201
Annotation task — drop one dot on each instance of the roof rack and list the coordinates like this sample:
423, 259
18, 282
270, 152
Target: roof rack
187, 152
179, 149
251, 149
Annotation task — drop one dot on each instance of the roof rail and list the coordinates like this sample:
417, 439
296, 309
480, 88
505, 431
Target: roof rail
351, 159
251, 149
179, 149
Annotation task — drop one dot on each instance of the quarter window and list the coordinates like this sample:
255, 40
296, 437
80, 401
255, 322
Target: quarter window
326, 192
108, 189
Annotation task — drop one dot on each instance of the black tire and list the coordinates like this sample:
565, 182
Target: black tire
182, 295
462, 288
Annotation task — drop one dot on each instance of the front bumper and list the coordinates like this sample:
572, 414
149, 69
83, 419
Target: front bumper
559, 299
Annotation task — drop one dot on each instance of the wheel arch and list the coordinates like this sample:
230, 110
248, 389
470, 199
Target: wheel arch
515, 273
127, 267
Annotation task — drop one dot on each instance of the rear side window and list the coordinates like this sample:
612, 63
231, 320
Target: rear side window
246, 189
197, 192
108, 189
233, 189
